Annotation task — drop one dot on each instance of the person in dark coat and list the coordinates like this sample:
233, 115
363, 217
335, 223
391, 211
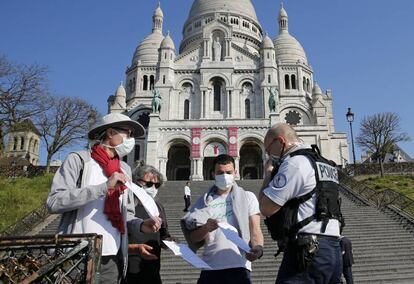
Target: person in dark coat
144, 258
348, 259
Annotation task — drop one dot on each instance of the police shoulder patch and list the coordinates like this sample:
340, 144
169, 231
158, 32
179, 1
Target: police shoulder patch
279, 180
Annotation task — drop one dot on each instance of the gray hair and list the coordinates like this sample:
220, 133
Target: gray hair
141, 170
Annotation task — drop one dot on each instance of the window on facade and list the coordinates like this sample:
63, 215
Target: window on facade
269, 79
293, 117
136, 153
165, 55
152, 82
145, 83
293, 81
186, 109
217, 95
247, 108
308, 85
163, 79
287, 82
304, 84
22, 143
15, 144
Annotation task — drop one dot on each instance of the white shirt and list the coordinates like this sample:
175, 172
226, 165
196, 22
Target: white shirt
187, 190
91, 218
295, 178
219, 252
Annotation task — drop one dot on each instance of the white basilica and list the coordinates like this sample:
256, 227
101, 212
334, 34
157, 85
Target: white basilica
220, 92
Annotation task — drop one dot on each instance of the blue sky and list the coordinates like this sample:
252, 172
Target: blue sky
362, 50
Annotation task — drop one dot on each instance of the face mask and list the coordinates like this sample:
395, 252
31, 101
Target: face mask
224, 181
277, 160
151, 191
125, 147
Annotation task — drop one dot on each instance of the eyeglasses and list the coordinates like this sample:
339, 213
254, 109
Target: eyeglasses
150, 183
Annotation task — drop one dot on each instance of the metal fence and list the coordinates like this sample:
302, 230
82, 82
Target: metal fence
27, 223
386, 199
50, 259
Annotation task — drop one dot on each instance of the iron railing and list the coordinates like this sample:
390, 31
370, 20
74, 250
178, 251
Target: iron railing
28, 222
50, 259
385, 199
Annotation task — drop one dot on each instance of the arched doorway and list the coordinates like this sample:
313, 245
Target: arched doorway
211, 151
251, 163
178, 165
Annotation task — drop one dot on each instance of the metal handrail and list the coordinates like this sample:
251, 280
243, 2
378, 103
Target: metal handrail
383, 199
27, 223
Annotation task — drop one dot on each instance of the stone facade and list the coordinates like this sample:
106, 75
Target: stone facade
23, 143
221, 91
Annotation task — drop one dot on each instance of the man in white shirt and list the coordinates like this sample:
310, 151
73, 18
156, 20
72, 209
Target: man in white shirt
295, 178
187, 196
225, 202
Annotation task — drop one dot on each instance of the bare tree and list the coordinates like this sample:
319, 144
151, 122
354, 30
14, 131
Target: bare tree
379, 134
23, 93
66, 123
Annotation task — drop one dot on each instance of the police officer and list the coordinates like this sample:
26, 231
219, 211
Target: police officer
310, 243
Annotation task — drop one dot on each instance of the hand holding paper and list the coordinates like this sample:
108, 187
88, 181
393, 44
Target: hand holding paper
231, 234
187, 254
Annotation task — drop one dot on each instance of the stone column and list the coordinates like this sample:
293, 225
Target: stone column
163, 167
196, 169
237, 165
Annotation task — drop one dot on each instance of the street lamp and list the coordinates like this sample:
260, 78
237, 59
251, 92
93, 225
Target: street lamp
350, 119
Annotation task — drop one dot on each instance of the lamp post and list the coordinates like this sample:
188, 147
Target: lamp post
350, 119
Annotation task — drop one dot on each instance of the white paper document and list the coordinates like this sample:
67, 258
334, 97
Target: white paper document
146, 200
231, 234
187, 254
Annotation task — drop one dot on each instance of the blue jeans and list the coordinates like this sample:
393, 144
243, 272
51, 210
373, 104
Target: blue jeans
238, 275
326, 266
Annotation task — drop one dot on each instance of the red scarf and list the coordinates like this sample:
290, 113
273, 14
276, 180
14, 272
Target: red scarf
110, 166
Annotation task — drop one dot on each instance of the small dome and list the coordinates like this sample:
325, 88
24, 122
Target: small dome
120, 92
147, 50
267, 42
158, 12
316, 90
288, 49
167, 42
282, 13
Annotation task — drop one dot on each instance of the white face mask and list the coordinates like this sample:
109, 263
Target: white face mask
152, 191
125, 147
224, 182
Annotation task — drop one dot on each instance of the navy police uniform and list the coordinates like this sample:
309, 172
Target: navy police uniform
296, 178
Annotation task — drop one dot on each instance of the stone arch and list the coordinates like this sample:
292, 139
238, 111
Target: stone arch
251, 158
178, 159
218, 146
223, 76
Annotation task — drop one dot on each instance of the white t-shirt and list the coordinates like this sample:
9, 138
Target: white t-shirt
295, 178
187, 190
219, 252
91, 218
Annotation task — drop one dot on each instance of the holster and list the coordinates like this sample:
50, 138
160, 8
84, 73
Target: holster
306, 247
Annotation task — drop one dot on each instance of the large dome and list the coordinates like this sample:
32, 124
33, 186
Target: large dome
242, 7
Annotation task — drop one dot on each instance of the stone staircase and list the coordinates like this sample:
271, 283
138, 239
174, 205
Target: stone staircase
383, 249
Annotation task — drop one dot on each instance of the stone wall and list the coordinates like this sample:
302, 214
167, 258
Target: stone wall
373, 169
24, 171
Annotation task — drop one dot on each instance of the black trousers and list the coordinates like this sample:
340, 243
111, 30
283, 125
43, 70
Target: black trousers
187, 200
